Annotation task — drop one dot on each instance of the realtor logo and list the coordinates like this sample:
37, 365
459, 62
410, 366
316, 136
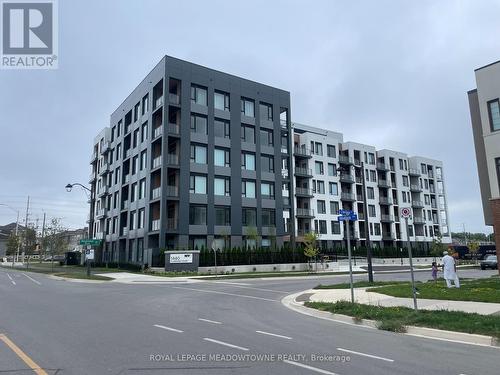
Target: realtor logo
29, 34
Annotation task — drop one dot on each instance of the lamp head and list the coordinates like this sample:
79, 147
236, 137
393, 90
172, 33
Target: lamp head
69, 187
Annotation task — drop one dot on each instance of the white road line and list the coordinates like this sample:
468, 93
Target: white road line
228, 282
226, 344
227, 294
298, 364
274, 334
235, 285
32, 279
209, 321
12, 281
366, 355
168, 328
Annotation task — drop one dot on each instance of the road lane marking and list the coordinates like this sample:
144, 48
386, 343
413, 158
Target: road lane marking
274, 334
225, 293
32, 364
249, 287
228, 282
298, 364
209, 321
12, 281
168, 328
226, 344
366, 355
32, 279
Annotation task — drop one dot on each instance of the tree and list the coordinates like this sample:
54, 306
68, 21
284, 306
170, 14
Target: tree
54, 242
253, 235
437, 247
310, 248
473, 249
13, 244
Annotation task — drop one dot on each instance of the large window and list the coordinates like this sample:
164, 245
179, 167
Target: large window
494, 114
266, 137
332, 170
222, 215
322, 227
248, 161
318, 167
142, 188
144, 158
197, 215
267, 190
222, 186
222, 128
198, 124
371, 210
248, 188
145, 104
221, 157
197, 184
198, 95
198, 154
266, 111
321, 207
140, 221
330, 151
267, 163
334, 208
221, 100
268, 218
370, 193
249, 217
144, 131
247, 107
335, 227
247, 134
133, 192
333, 188
321, 187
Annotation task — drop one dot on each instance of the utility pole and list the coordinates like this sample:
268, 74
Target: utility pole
367, 226
406, 213
42, 249
349, 257
26, 230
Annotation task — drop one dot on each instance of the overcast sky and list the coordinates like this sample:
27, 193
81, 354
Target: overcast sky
394, 74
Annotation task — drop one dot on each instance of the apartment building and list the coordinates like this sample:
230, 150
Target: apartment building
484, 105
331, 174
192, 158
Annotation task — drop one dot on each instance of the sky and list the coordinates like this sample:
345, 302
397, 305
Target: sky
394, 74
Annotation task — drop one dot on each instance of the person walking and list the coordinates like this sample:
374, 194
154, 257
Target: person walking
450, 270
434, 271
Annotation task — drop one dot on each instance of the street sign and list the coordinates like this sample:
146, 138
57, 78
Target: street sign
348, 215
343, 218
89, 254
405, 212
345, 212
90, 242
353, 217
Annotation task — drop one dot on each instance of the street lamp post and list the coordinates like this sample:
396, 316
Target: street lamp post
17, 229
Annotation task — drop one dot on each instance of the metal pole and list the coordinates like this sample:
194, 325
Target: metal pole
26, 231
42, 248
349, 257
17, 238
215, 258
414, 292
367, 226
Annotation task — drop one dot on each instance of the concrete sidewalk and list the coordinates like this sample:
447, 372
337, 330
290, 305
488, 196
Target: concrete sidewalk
136, 278
377, 299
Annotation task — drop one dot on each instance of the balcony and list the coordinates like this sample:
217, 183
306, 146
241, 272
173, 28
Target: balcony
93, 157
361, 216
303, 152
418, 220
284, 149
386, 218
415, 188
284, 124
417, 204
303, 172
359, 180
102, 191
158, 102
383, 167
125, 205
106, 146
414, 172
172, 159
303, 192
386, 201
99, 235
174, 99
171, 224
349, 197
347, 178
128, 153
173, 128
172, 191
384, 184
359, 197
353, 235
286, 201
158, 132
124, 231
155, 225
357, 162
92, 177
156, 193
157, 162
100, 213
104, 169
346, 160
304, 212
126, 179
387, 236
285, 175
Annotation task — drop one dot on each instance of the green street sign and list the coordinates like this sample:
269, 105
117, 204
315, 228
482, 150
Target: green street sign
90, 242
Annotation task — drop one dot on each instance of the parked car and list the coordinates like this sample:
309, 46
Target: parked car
489, 261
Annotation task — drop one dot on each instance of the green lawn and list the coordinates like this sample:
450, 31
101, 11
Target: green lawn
477, 290
252, 275
74, 272
396, 318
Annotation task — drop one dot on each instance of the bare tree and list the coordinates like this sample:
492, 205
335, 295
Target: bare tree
54, 241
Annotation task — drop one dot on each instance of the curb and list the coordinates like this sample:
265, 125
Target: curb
291, 302
60, 278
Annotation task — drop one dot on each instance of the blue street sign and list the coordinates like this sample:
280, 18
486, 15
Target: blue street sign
353, 217
343, 218
345, 212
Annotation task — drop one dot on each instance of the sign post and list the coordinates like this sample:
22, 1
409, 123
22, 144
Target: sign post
347, 215
89, 252
406, 214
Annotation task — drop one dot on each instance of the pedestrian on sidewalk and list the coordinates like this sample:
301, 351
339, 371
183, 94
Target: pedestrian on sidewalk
450, 270
434, 271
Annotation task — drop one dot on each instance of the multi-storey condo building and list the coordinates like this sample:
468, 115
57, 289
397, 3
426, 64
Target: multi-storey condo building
192, 158
198, 158
484, 104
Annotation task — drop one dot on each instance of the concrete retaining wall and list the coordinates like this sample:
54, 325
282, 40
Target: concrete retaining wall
330, 266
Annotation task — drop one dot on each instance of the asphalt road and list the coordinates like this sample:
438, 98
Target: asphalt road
208, 327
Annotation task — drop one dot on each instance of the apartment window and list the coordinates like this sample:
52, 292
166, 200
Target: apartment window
118, 128
373, 176
198, 124
371, 158
266, 111
133, 220
370, 193
321, 207
247, 107
223, 216
248, 161
377, 229
142, 188
136, 111
115, 224
371, 210
333, 188
332, 169
322, 227
334, 208
330, 151
221, 157
266, 137
318, 167
406, 181
423, 168
221, 100
145, 104
117, 175
401, 164
267, 190
198, 154
267, 163
320, 187
318, 148
197, 184
404, 197
222, 128
113, 133
249, 217
198, 95
118, 151
497, 165
268, 218
133, 192
197, 215
494, 114
426, 199
248, 188
222, 186
335, 227
115, 200
144, 159
140, 219
135, 164
144, 132
247, 134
